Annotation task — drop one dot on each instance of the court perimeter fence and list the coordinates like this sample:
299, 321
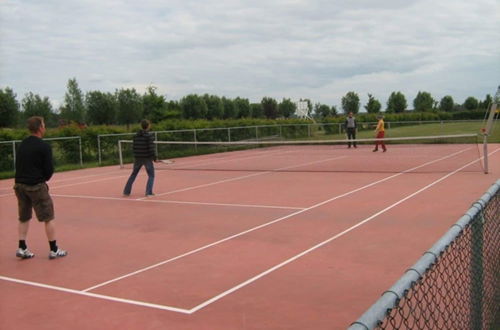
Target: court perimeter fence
104, 149
108, 151
455, 284
65, 150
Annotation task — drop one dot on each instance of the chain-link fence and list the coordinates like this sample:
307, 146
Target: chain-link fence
455, 285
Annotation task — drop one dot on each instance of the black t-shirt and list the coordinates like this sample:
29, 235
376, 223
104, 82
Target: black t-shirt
34, 161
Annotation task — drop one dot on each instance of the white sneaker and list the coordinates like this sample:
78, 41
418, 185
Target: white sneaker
24, 253
58, 254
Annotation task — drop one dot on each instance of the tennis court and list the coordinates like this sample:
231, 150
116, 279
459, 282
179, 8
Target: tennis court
285, 237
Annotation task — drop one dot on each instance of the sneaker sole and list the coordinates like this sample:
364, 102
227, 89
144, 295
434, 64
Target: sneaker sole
24, 256
57, 257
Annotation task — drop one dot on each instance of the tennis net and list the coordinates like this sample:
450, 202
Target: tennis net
413, 154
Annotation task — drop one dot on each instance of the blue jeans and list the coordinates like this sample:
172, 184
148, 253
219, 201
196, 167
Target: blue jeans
150, 169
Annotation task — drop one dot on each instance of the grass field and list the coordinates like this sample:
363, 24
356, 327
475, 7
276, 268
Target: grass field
426, 130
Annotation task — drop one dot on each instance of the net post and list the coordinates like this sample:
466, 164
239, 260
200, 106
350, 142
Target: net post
485, 153
120, 156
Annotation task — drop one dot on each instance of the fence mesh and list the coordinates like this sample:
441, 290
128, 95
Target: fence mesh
455, 285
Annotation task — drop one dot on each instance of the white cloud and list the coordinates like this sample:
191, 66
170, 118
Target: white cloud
280, 48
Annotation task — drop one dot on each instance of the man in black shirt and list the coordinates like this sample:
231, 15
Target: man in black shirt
33, 168
144, 154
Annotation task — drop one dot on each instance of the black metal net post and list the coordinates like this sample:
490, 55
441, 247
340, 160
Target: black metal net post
455, 285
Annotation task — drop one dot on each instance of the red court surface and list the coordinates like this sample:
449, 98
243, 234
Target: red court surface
294, 243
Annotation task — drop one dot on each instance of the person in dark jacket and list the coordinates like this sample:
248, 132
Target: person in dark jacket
350, 128
34, 168
144, 155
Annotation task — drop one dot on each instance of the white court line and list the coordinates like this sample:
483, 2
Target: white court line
179, 202
315, 247
78, 183
263, 225
95, 295
122, 176
243, 177
253, 279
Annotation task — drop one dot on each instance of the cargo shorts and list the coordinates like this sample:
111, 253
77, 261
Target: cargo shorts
34, 197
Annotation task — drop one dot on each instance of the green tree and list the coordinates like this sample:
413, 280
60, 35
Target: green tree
129, 106
488, 101
215, 108
73, 107
174, 110
101, 108
229, 108
423, 102
34, 105
446, 104
322, 110
287, 108
396, 103
154, 105
242, 106
270, 107
256, 110
471, 103
193, 107
373, 105
334, 111
9, 108
350, 103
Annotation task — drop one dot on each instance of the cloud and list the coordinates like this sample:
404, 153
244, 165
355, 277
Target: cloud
282, 48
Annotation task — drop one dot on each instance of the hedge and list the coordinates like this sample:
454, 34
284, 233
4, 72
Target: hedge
297, 128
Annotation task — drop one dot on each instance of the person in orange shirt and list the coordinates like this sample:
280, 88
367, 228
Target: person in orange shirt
380, 132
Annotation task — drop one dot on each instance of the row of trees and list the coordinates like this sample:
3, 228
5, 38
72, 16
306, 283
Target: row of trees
127, 106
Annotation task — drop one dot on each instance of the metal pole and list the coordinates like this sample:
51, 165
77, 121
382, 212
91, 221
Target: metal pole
99, 148
120, 153
195, 140
229, 134
80, 145
485, 153
476, 273
14, 153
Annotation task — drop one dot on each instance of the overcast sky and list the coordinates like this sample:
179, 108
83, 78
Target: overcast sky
316, 49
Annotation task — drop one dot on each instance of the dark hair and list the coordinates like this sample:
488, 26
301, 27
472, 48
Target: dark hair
145, 123
34, 123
